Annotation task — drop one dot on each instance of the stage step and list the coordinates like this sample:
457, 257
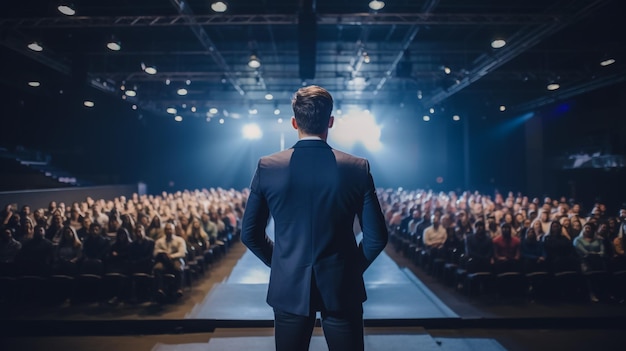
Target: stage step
469, 344
376, 339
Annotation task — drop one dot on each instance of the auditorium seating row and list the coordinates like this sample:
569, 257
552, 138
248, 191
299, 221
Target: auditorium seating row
452, 270
92, 285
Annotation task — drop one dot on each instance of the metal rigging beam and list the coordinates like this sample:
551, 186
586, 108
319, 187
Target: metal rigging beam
187, 15
408, 39
354, 19
520, 42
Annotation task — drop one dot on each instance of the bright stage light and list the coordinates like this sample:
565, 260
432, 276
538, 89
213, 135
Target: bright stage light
252, 131
356, 127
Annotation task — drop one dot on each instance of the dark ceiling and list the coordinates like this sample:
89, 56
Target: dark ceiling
325, 42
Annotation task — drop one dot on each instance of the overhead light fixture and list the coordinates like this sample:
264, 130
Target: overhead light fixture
34, 84
66, 9
182, 92
607, 62
221, 121
269, 96
35, 46
426, 118
188, 82
134, 107
167, 81
219, 6
213, 111
447, 70
279, 121
148, 69
498, 43
254, 61
553, 86
89, 103
419, 94
276, 111
456, 118
366, 58
432, 110
178, 118
114, 44
253, 111
171, 110
376, 5
130, 92
193, 109
502, 108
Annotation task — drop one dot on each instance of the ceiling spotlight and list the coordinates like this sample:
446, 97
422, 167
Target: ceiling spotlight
277, 111
130, 92
280, 121
213, 111
178, 118
35, 46
254, 62
148, 69
502, 108
193, 109
182, 91
269, 96
447, 70
219, 6
366, 58
34, 84
553, 86
89, 103
171, 110
66, 9
188, 82
376, 5
167, 81
183, 105
498, 43
426, 118
432, 110
419, 94
114, 44
607, 62
253, 111
221, 121
134, 107
456, 118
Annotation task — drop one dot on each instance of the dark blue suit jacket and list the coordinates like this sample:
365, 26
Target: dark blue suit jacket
314, 192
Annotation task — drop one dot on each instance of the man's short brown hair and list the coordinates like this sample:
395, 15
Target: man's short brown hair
312, 107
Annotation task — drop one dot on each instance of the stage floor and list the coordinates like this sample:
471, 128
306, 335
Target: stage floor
393, 293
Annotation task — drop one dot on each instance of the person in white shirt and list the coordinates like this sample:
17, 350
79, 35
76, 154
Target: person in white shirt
169, 254
435, 235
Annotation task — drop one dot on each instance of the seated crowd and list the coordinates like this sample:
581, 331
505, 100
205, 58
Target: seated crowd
160, 237
462, 237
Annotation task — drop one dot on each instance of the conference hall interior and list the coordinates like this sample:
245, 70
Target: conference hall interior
495, 133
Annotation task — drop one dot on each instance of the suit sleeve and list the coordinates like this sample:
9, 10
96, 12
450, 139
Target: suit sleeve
375, 234
254, 222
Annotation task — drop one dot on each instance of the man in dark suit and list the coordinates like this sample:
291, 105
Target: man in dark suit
314, 192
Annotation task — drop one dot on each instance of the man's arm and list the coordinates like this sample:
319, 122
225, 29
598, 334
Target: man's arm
375, 233
254, 222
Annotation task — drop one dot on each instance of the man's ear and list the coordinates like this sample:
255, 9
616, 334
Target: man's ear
331, 121
294, 124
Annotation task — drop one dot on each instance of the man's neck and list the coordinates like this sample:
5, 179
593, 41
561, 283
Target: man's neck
304, 136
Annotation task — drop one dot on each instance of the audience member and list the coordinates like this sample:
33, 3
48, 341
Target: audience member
169, 253
36, 255
68, 252
479, 249
506, 251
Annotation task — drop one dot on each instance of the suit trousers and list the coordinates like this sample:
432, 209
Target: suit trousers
343, 330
